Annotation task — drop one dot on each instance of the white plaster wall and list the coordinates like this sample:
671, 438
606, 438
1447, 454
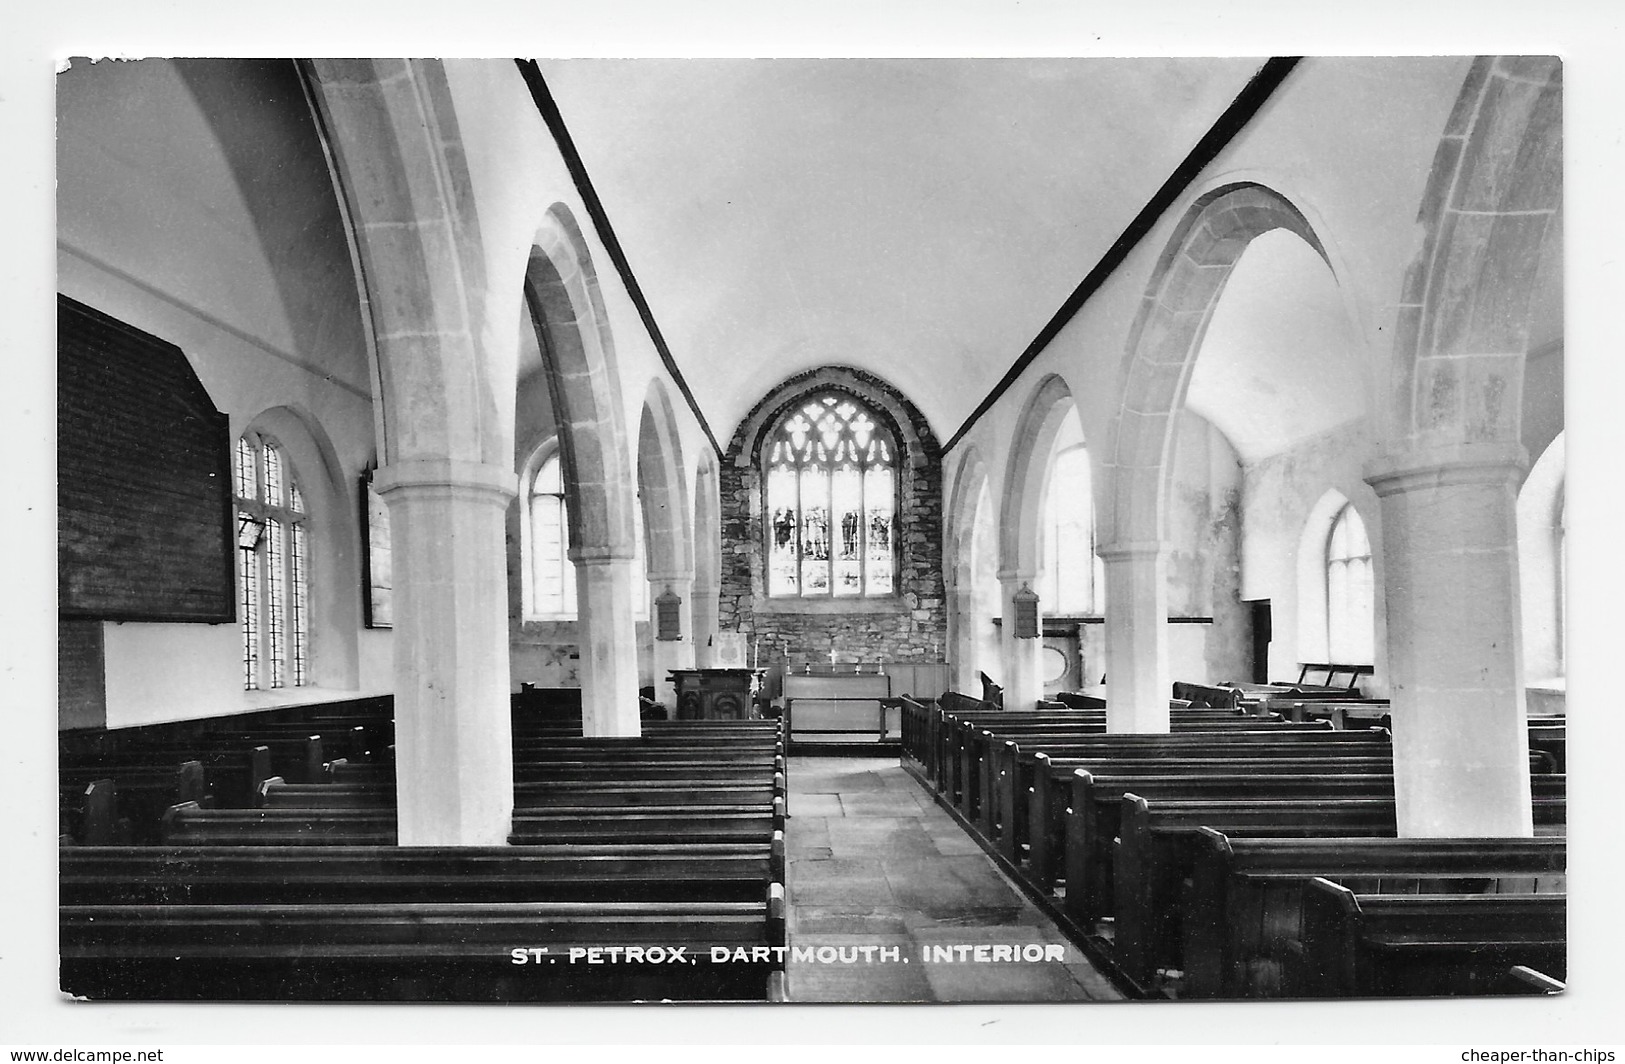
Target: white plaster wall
155, 231
1278, 494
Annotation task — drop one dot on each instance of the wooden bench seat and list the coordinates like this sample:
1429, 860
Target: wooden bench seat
1411, 944
1243, 907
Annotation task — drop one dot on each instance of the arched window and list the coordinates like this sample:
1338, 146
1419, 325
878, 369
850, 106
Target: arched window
831, 501
273, 574
552, 574
1074, 577
1350, 597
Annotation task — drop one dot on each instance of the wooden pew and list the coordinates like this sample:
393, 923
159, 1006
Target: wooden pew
1244, 904
142, 794
995, 768
423, 951
260, 875
1159, 839
1413, 944
88, 813
606, 791
378, 774
189, 825
1082, 849
1091, 819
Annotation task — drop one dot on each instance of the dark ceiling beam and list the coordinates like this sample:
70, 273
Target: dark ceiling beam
549, 110
1235, 117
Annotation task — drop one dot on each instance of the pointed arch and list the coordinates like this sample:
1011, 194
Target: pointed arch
1026, 478
567, 312
1489, 210
1164, 341
663, 488
396, 161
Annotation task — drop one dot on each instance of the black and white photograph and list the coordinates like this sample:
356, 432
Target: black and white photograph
683, 532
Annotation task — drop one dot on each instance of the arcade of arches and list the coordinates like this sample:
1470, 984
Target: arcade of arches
1323, 386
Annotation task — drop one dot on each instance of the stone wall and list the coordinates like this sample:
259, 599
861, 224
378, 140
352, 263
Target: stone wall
911, 626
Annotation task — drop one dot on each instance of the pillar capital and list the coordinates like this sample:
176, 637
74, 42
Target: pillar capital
677, 576
447, 478
1017, 576
1447, 466
601, 555
1130, 550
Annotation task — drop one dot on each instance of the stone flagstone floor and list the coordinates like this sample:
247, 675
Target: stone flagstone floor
874, 862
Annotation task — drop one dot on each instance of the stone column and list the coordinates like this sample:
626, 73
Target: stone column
453, 732
1023, 659
1137, 681
674, 653
962, 640
703, 614
608, 638
1450, 553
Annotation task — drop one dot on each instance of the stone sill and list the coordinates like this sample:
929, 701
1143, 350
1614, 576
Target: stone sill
832, 606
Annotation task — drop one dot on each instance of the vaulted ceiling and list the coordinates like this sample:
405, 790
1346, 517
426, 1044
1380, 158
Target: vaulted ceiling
922, 219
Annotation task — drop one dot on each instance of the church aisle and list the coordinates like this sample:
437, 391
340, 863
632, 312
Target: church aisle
874, 862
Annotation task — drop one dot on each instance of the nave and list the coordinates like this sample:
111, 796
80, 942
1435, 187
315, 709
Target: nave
874, 861
502, 469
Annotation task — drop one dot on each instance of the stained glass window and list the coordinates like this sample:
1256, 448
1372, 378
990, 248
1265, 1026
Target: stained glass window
830, 471
273, 590
1350, 592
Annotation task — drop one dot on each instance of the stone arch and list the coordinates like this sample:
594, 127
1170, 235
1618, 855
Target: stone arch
1026, 478
707, 558
668, 548
335, 556
969, 481
566, 308
906, 422
1490, 207
667, 527
1021, 538
968, 650
1163, 343
397, 164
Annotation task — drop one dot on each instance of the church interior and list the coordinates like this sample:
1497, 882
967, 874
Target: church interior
855, 530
